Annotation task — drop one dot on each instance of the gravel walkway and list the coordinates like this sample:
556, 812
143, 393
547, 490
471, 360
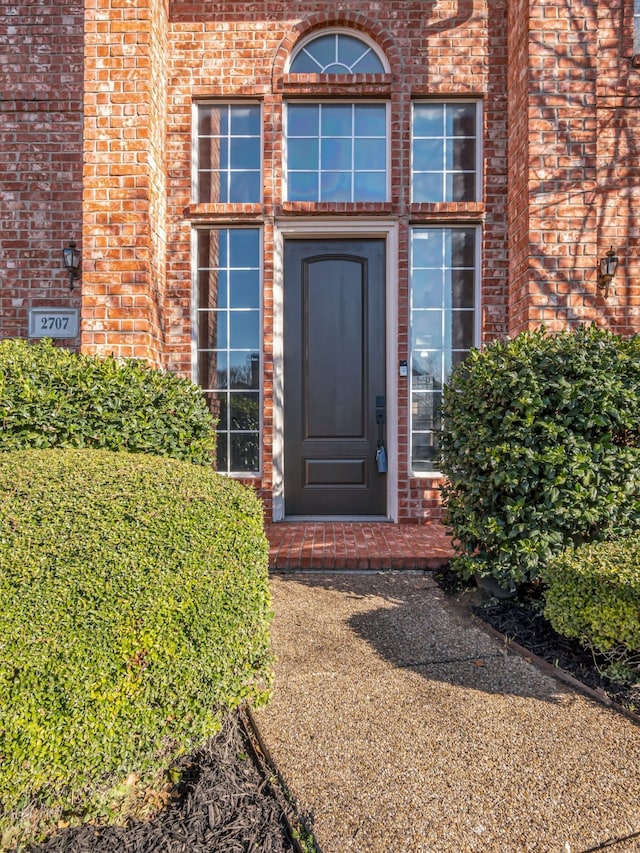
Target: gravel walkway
403, 728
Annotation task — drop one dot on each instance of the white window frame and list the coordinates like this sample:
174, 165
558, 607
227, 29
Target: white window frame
345, 31
195, 138
333, 102
479, 138
477, 324
236, 475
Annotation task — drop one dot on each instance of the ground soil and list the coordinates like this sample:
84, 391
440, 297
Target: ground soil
228, 801
521, 620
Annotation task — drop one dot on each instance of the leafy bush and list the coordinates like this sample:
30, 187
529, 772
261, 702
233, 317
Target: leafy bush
593, 594
541, 449
50, 397
134, 611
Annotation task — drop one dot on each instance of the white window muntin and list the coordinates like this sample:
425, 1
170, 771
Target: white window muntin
444, 326
362, 37
239, 154
220, 394
444, 170
318, 165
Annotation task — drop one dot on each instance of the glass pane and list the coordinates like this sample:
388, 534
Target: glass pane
212, 289
244, 452
212, 370
245, 410
244, 329
336, 154
302, 154
426, 370
336, 120
370, 154
244, 247
427, 289
425, 451
222, 452
302, 186
212, 247
428, 154
244, 187
303, 120
335, 186
213, 120
461, 186
427, 248
323, 49
427, 329
212, 153
461, 119
461, 247
370, 186
244, 370
368, 64
304, 64
244, 289
428, 120
452, 360
461, 154
218, 407
459, 329
462, 289
370, 120
351, 49
245, 120
213, 187
428, 187
425, 410
212, 329
245, 153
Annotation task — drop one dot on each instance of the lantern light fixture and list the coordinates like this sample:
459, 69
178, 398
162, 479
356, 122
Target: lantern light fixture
607, 269
71, 261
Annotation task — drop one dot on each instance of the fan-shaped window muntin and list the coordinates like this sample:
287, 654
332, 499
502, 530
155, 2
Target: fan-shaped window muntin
336, 53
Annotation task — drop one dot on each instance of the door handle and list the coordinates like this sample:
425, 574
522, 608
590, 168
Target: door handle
381, 453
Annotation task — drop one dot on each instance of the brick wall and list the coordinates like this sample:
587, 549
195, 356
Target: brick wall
40, 156
573, 156
124, 179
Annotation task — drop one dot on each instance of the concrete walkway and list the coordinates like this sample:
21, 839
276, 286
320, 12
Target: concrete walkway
401, 727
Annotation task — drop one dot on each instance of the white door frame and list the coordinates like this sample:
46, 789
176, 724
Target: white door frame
320, 228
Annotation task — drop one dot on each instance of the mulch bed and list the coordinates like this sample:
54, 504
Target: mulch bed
228, 801
522, 621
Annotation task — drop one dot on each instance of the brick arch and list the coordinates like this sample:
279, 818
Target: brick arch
326, 20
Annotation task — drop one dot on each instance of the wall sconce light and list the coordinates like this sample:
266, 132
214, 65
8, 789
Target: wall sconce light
71, 260
608, 267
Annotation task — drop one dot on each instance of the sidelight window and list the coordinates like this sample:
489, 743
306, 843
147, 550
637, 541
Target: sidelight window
228, 332
443, 320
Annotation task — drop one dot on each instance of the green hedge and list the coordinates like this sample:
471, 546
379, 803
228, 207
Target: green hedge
134, 611
50, 397
541, 449
593, 594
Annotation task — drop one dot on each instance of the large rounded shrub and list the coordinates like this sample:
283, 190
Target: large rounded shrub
134, 612
541, 448
51, 397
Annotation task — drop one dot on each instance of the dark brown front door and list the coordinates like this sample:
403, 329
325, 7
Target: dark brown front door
334, 376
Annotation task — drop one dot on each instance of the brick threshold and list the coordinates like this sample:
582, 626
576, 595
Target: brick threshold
357, 545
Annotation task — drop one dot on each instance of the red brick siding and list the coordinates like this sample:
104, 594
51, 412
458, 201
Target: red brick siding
40, 157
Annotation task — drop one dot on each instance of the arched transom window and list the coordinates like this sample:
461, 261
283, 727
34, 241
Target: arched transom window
336, 53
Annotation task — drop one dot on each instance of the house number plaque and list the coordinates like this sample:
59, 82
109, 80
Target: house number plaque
53, 323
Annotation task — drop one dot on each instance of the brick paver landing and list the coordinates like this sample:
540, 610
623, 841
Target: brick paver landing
356, 545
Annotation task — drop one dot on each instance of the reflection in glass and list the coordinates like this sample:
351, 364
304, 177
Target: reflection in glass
244, 452
245, 413
336, 53
229, 153
444, 152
